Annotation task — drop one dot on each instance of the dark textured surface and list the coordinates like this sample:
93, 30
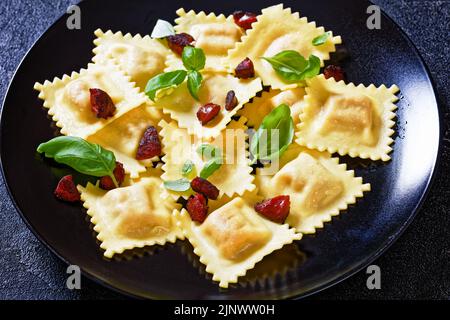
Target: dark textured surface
417, 266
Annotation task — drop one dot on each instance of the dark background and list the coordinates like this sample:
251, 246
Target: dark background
417, 266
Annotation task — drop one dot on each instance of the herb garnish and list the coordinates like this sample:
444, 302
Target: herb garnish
194, 61
81, 155
278, 124
317, 41
293, 67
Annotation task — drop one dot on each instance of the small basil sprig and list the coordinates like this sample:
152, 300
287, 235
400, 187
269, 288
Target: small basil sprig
179, 185
162, 29
293, 67
261, 146
214, 156
210, 167
188, 168
317, 41
163, 81
194, 61
83, 156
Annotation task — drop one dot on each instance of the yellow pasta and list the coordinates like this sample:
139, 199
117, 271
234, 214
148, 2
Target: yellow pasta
234, 175
214, 34
183, 108
131, 217
234, 238
68, 99
139, 57
122, 137
256, 110
348, 119
318, 186
276, 30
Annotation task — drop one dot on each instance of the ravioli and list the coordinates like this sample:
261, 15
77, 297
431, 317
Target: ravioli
131, 217
122, 136
276, 30
318, 186
256, 110
68, 99
348, 119
214, 34
139, 57
234, 175
233, 238
183, 108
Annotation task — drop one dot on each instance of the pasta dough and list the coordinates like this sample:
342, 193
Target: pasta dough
234, 175
318, 187
234, 238
139, 57
132, 216
68, 99
122, 136
182, 107
214, 34
348, 119
256, 110
276, 30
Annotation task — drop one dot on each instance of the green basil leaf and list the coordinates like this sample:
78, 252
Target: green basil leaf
187, 168
209, 151
83, 156
317, 41
210, 167
193, 58
162, 29
261, 146
179, 185
164, 80
194, 82
292, 66
313, 68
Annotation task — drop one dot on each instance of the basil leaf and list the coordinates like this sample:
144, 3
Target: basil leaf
187, 168
209, 151
193, 58
317, 41
262, 147
179, 185
162, 29
313, 68
292, 66
164, 80
194, 82
83, 156
210, 167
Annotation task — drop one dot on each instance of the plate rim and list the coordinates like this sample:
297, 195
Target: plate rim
383, 248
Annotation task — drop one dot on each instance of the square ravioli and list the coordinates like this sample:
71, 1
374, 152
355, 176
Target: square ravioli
233, 238
122, 136
276, 30
68, 99
318, 186
256, 110
131, 217
348, 119
214, 34
183, 108
233, 177
139, 57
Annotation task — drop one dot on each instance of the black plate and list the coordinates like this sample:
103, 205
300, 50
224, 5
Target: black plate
343, 247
